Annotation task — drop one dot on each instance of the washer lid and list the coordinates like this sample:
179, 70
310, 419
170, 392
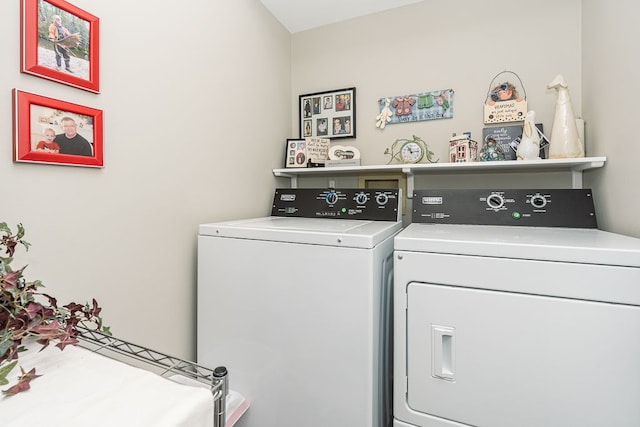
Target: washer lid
589, 246
314, 231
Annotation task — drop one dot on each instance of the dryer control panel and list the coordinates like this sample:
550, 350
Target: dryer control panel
355, 203
571, 208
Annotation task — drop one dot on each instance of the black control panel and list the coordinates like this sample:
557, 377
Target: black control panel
571, 208
364, 204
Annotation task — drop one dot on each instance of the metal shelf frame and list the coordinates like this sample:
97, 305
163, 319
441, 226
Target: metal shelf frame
217, 379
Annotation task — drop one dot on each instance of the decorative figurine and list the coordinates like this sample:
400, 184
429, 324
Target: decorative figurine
410, 151
529, 147
462, 149
385, 115
491, 151
565, 142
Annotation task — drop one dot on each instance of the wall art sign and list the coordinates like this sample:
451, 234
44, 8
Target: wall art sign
308, 152
329, 114
508, 138
60, 42
47, 130
434, 105
506, 99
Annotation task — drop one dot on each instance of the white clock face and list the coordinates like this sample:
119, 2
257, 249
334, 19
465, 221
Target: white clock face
411, 152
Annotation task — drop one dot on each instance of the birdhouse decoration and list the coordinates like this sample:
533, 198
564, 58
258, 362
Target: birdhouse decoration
506, 100
462, 149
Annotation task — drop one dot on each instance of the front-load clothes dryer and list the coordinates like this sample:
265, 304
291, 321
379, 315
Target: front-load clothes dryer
297, 305
526, 324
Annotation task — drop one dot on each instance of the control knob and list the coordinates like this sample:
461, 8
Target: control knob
331, 198
538, 201
361, 198
495, 201
382, 199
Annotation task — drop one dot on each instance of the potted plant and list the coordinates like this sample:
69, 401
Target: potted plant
27, 313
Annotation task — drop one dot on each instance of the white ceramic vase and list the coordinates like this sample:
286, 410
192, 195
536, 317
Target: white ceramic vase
565, 141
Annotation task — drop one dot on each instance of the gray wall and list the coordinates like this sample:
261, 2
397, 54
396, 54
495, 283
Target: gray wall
196, 106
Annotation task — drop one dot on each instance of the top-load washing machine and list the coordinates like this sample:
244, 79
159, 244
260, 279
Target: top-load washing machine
532, 321
298, 304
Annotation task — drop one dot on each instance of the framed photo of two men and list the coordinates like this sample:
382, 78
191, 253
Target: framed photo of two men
60, 42
329, 114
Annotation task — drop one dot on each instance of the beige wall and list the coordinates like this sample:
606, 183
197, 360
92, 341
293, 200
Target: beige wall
434, 45
610, 87
196, 106
183, 88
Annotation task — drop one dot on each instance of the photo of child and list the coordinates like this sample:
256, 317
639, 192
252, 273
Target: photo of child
47, 144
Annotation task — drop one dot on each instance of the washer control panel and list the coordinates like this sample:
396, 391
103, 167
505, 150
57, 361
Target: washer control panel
571, 208
355, 203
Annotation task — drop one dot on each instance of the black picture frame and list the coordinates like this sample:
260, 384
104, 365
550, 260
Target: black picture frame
295, 153
330, 114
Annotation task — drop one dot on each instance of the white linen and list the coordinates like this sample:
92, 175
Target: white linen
81, 388
236, 405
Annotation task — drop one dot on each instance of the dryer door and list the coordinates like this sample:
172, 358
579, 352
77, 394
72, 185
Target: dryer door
492, 358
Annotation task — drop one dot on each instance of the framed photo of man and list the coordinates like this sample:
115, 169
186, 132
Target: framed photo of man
60, 42
47, 130
330, 114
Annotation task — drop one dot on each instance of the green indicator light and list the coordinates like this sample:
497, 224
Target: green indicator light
516, 215
344, 210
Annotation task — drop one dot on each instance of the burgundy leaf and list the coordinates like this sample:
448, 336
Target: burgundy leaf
73, 307
52, 301
95, 311
33, 309
52, 328
63, 342
11, 278
23, 382
10, 243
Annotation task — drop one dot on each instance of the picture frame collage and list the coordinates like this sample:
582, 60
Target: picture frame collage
330, 114
59, 42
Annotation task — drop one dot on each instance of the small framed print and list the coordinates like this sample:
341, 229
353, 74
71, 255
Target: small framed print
295, 155
329, 114
60, 42
47, 130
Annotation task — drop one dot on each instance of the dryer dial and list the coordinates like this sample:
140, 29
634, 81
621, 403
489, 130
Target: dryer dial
382, 199
538, 201
361, 198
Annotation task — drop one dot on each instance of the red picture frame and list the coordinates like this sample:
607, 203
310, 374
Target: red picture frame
73, 57
35, 117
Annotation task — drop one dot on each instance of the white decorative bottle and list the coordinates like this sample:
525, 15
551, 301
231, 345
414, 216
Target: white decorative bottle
565, 141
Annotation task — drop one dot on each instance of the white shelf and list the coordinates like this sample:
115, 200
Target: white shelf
575, 166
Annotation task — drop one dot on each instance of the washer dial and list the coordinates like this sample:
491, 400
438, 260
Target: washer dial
495, 201
331, 198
